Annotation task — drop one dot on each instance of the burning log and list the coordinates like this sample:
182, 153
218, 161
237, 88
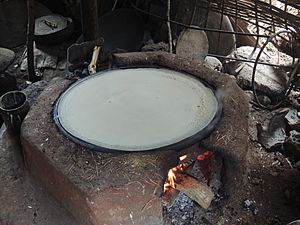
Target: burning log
169, 196
197, 171
195, 189
191, 177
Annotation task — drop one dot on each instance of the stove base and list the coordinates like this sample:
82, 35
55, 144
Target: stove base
113, 188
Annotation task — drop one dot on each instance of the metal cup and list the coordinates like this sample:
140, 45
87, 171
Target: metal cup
13, 109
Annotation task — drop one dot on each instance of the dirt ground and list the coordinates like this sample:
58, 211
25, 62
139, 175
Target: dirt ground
273, 188
23, 202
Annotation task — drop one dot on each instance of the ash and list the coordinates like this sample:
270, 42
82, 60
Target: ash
185, 211
181, 212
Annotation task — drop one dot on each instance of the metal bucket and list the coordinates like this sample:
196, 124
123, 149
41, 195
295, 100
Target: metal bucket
13, 109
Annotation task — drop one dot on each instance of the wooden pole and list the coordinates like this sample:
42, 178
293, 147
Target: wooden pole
30, 40
169, 27
89, 19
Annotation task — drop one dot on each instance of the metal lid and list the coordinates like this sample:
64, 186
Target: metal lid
50, 24
137, 109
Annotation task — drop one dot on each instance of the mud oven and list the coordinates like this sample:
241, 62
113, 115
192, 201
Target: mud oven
101, 187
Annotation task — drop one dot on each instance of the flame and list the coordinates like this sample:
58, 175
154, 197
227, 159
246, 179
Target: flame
170, 182
182, 166
171, 178
183, 157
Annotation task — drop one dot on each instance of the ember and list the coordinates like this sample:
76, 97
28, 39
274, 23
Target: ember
204, 156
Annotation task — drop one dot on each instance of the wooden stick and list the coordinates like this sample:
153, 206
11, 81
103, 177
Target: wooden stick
169, 27
30, 39
195, 189
93, 64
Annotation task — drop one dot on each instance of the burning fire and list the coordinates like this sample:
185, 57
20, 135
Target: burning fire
183, 157
170, 181
171, 178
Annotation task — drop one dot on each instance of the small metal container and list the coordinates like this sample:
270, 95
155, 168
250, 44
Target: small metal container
13, 109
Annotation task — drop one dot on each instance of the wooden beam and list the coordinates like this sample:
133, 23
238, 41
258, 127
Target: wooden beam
89, 19
30, 41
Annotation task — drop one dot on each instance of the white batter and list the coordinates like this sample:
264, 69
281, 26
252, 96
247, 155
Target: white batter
136, 109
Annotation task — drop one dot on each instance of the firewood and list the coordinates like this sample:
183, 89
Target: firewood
197, 171
169, 196
195, 189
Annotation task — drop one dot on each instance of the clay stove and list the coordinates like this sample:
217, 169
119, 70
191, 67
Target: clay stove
114, 188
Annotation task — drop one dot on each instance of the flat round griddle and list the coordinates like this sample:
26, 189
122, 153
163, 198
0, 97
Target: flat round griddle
137, 109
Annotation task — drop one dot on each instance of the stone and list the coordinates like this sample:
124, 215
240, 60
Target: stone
273, 136
265, 100
250, 205
293, 119
294, 99
232, 66
62, 64
6, 58
268, 80
192, 44
243, 52
43, 58
249, 94
219, 44
292, 144
33, 90
213, 63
